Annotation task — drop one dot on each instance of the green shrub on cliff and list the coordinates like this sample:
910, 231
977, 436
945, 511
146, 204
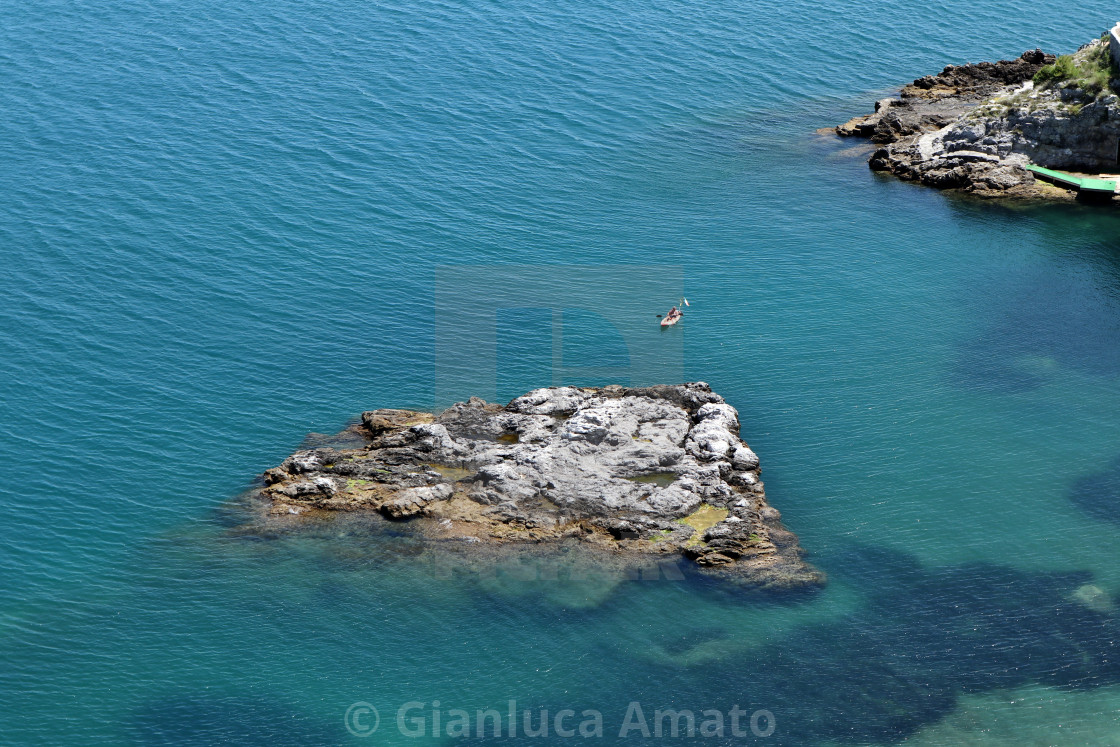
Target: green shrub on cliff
1062, 69
1091, 70
1097, 70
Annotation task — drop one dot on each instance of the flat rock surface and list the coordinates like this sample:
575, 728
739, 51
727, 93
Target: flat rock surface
634, 471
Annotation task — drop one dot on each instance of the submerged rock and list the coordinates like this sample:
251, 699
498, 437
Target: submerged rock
974, 127
644, 471
1094, 598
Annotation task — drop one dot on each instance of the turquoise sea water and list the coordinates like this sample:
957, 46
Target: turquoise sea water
225, 225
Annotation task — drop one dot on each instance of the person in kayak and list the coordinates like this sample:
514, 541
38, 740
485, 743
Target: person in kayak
671, 317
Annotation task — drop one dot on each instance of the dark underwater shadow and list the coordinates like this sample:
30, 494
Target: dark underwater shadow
920, 639
1065, 314
924, 638
1098, 495
193, 718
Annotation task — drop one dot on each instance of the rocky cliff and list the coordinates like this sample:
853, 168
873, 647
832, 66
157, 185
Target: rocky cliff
975, 127
651, 471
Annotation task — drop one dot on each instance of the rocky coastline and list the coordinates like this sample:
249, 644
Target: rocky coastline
653, 472
975, 127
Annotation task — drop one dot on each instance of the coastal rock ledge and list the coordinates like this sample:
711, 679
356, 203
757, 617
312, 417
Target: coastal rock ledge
658, 471
976, 127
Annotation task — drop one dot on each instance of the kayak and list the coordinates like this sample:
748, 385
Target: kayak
671, 319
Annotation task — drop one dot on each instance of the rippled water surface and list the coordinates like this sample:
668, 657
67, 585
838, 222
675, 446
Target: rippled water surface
227, 225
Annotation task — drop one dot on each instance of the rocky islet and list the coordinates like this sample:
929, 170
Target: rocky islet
636, 472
